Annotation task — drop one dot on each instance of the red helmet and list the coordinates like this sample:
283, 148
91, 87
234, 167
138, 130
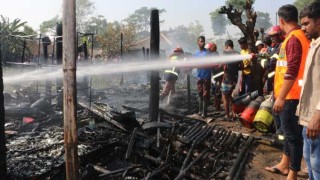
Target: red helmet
211, 46
274, 30
178, 50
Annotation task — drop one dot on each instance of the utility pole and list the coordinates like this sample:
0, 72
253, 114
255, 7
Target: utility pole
69, 90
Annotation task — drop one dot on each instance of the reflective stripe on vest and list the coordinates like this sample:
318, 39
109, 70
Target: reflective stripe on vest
282, 63
281, 67
173, 59
172, 72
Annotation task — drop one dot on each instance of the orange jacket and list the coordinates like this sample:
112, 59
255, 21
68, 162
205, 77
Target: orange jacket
281, 67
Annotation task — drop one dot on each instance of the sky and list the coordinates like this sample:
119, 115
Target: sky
178, 12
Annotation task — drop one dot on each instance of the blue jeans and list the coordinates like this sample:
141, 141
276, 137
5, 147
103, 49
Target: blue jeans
311, 154
293, 142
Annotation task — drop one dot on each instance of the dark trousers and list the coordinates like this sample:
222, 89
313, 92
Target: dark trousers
246, 84
277, 123
293, 143
204, 86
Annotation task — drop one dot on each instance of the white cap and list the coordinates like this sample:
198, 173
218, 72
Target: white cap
259, 42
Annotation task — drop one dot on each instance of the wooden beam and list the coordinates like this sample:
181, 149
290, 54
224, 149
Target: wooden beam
70, 90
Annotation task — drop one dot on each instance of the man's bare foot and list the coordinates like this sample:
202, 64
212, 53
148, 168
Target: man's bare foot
293, 175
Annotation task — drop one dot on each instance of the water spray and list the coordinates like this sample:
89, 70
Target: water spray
84, 70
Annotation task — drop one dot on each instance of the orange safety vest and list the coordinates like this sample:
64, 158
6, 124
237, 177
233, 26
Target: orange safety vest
281, 67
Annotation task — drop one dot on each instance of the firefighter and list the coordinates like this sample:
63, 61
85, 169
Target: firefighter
172, 74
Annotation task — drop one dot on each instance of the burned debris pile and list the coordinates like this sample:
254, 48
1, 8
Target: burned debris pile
175, 147
182, 148
119, 142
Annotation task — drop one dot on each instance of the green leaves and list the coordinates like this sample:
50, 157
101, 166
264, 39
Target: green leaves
50, 25
11, 46
300, 4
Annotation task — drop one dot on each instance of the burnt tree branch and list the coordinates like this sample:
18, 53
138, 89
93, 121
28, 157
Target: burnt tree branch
234, 15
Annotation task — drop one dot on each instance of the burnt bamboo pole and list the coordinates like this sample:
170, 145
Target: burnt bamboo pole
92, 46
39, 51
3, 163
47, 81
23, 49
69, 90
53, 45
154, 54
121, 56
59, 45
144, 53
246, 147
39, 48
189, 92
85, 50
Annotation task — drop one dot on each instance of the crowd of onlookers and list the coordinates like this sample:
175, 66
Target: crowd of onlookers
287, 66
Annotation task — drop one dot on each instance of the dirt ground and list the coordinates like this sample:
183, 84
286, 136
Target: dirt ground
264, 152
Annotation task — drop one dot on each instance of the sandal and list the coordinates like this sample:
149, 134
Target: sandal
275, 170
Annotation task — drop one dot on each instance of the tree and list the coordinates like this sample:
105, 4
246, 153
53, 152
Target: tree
84, 10
11, 44
49, 26
110, 39
263, 20
141, 19
186, 36
97, 25
195, 30
28, 30
219, 22
32, 45
235, 17
300, 4
238, 4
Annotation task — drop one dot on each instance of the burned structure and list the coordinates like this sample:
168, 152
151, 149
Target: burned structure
121, 134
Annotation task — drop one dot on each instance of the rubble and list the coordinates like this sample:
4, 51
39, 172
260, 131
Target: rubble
116, 141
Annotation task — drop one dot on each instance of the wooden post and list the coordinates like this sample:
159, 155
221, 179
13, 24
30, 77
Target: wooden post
54, 43
121, 57
45, 52
91, 47
189, 92
23, 49
144, 53
39, 48
59, 44
154, 76
69, 90
85, 50
45, 43
3, 156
